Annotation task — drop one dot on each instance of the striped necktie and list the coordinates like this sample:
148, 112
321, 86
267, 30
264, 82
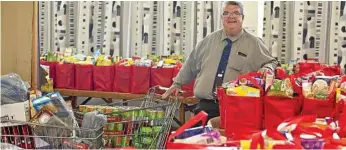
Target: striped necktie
222, 64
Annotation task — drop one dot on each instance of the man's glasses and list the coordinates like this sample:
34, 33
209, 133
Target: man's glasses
228, 14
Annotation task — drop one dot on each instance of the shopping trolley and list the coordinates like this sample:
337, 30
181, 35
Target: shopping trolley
29, 135
145, 126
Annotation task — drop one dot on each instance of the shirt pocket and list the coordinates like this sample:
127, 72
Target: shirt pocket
238, 63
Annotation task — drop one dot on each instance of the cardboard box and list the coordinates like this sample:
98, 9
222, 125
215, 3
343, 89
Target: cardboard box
215, 123
16, 111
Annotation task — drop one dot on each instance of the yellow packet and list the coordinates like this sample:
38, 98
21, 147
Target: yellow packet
170, 61
268, 144
106, 62
243, 91
339, 96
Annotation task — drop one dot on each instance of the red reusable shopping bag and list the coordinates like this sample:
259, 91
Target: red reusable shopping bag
201, 116
321, 108
122, 80
140, 82
243, 115
84, 77
52, 69
280, 73
277, 109
220, 96
308, 67
65, 76
341, 117
161, 76
331, 70
103, 78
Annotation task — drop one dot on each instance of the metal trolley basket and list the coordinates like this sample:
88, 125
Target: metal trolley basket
145, 126
29, 135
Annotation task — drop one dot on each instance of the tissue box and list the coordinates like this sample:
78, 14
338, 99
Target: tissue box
16, 111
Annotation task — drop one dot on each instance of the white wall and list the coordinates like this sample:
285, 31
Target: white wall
253, 20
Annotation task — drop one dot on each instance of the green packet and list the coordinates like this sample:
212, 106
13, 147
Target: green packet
281, 88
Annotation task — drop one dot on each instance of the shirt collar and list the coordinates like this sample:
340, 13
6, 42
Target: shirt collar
234, 38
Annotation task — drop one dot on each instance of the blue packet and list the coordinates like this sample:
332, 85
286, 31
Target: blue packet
194, 131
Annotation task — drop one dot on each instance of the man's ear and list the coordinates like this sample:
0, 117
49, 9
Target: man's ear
243, 17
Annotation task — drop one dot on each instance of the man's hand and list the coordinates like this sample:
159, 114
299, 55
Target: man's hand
265, 70
172, 90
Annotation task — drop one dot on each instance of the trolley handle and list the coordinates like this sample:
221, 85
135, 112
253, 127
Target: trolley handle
181, 93
166, 89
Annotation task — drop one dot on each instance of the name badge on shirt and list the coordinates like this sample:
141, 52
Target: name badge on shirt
242, 54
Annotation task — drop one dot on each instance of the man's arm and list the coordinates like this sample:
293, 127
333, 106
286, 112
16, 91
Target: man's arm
263, 58
189, 70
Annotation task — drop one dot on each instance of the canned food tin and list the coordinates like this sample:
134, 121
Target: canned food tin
146, 130
151, 114
111, 126
160, 114
137, 145
118, 127
108, 141
129, 115
102, 109
157, 129
141, 113
117, 141
108, 110
105, 127
125, 141
91, 108
147, 140
81, 108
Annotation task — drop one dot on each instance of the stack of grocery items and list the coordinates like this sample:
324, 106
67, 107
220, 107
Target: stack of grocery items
242, 95
306, 67
47, 121
286, 69
105, 73
300, 132
162, 72
49, 63
281, 93
189, 137
128, 125
319, 93
51, 109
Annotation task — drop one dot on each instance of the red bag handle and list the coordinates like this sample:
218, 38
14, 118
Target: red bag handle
295, 87
301, 119
314, 59
201, 116
334, 67
276, 135
337, 141
249, 76
336, 112
256, 139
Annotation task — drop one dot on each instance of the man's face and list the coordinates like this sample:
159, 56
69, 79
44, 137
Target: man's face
232, 17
